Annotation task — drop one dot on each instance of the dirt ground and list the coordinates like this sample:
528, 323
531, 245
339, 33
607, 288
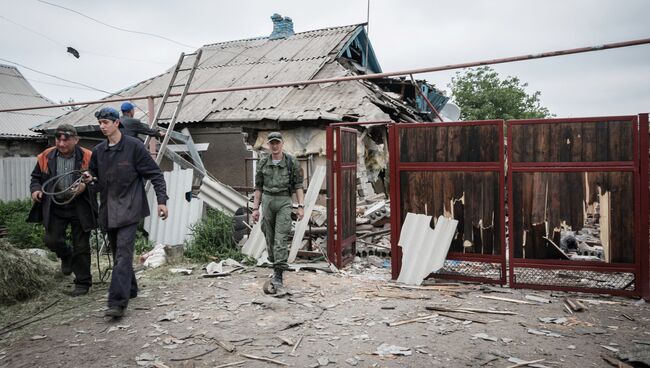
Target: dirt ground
336, 320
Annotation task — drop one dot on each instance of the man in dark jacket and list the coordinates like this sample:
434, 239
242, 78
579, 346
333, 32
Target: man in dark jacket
134, 127
72, 205
121, 164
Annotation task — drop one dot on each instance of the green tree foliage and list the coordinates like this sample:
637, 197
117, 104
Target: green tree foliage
482, 95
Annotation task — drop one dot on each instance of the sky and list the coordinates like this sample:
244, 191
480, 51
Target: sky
405, 34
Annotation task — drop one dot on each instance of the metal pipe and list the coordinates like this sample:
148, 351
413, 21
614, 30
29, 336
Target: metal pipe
417, 88
579, 50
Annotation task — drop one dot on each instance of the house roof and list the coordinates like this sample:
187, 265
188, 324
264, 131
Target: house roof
303, 56
15, 90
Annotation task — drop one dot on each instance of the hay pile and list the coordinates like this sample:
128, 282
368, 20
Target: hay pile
22, 275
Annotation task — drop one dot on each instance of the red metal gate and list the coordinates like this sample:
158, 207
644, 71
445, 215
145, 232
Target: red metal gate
577, 203
452, 169
342, 195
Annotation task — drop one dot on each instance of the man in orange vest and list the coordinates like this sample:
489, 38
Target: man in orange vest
68, 203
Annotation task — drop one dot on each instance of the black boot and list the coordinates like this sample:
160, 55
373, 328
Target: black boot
66, 265
277, 278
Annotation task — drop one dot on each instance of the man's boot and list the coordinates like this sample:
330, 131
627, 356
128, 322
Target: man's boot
277, 278
66, 265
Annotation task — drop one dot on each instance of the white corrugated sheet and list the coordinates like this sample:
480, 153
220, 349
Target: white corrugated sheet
424, 249
221, 196
182, 214
15, 177
310, 200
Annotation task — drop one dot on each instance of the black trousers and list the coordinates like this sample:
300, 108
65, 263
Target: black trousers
55, 240
123, 283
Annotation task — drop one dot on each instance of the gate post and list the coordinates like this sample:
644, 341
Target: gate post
644, 202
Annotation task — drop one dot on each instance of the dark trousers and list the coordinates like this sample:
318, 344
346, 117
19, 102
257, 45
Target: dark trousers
123, 283
55, 240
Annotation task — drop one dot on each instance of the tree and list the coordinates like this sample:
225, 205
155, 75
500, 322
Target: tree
482, 95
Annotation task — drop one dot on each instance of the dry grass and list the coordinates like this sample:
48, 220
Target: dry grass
22, 275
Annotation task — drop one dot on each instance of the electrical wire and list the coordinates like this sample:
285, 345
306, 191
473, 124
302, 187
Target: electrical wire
82, 50
69, 191
118, 28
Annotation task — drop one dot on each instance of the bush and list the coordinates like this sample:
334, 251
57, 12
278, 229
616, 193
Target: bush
13, 215
212, 238
142, 242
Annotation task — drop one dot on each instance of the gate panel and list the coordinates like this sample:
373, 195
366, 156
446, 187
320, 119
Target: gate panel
342, 198
456, 170
574, 204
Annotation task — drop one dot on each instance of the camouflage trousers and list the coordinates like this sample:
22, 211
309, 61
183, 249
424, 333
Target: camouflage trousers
276, 225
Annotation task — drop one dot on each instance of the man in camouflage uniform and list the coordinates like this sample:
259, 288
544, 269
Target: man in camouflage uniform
277, 177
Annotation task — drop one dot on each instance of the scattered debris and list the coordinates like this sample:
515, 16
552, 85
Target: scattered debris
556, 320
263, 359
504, 299
574, 305
537, 299
614, 362
387, 349
543, 333
399, 323
182, 271
484, 336
521, 363
610, 348
155, 257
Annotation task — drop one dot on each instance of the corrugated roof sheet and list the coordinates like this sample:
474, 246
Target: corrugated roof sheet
302, 56
15, 91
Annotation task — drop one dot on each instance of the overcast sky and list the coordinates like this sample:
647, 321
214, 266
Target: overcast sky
405, 34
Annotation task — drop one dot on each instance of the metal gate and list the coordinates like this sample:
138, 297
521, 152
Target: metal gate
456, 170
342, 194
577, 199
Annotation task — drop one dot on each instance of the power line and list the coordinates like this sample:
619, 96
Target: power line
54, 76
118, 28
82, 50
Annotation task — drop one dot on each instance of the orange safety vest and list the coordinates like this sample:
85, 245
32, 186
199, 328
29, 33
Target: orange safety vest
42, 159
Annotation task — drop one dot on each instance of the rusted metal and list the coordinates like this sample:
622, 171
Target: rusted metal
578, 50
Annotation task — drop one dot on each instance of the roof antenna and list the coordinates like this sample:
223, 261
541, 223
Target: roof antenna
365, 62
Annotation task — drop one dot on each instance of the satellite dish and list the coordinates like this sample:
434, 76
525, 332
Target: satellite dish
450, 112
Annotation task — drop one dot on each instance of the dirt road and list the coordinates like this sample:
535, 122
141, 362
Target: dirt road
334, 320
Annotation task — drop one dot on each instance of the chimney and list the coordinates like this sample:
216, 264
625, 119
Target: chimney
282, 27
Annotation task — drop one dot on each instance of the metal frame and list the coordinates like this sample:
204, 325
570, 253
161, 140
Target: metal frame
640, 265
336, 166
397, 167
335, 243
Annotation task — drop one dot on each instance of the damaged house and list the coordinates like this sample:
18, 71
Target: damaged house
230, 128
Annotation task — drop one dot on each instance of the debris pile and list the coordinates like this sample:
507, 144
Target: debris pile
23, 275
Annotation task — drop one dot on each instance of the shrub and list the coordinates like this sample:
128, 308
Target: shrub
13, 215
142, 242
212, 238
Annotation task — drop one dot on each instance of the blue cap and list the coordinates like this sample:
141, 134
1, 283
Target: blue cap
108, 113
127, 106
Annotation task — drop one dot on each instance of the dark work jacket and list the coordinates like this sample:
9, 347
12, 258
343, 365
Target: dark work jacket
85, 204
132, 127
121, 171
